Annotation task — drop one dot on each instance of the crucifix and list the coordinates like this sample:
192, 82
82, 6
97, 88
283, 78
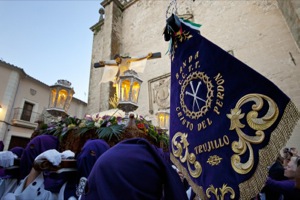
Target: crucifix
123, 72
120, 64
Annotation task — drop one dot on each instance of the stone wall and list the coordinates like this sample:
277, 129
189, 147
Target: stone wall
291, 12
255, 30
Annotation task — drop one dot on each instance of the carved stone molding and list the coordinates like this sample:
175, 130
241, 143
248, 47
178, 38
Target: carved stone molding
32, 91
159, 93
122, 4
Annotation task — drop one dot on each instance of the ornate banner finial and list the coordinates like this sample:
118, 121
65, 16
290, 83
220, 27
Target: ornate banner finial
172, 8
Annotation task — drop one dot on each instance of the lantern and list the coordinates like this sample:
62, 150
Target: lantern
128, 91
163, 119
61, 94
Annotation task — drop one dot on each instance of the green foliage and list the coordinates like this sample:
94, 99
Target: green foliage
106, 127
107, 133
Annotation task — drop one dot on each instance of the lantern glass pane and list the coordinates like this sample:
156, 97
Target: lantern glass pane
125, 89
161, 120
53, 98
135, 92
61, 100
68, 102
167, 121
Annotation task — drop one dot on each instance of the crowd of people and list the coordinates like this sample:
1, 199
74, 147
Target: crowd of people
283, 182
132, 169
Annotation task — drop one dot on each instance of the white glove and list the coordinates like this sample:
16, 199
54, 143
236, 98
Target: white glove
67, 154
51, 155
54, 156
6, 158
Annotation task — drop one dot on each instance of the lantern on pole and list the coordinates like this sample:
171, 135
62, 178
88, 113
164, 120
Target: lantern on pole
128, 91
61, 94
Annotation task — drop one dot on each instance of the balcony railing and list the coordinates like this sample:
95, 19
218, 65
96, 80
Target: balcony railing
25, 118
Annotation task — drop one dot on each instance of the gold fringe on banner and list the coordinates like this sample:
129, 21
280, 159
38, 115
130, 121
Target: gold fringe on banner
196, 188
269, 153
267, 156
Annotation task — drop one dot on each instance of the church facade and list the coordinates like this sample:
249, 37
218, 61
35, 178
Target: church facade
264, 34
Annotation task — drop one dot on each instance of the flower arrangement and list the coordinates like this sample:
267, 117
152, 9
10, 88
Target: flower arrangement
73, 132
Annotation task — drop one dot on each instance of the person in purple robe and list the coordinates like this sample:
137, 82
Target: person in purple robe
9, 176
133, 169
89, 154
18, 151
32, 184
14, 173
86, 159
35, 147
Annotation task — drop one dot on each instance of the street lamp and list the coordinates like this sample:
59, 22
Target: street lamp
128, 91
61, 94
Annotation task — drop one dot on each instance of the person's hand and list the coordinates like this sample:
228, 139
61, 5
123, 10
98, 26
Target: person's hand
67, 154
51, 155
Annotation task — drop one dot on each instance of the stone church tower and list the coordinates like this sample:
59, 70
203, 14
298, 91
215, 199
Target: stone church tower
264, 34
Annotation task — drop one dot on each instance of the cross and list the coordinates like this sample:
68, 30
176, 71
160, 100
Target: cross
118, 59
122, 63
194, 94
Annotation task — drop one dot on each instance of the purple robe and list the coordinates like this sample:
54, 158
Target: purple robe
133, 169
35, 147
89, 154
17, 150
86, 159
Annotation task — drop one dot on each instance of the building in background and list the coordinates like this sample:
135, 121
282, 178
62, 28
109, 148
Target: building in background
264, 34
24, 100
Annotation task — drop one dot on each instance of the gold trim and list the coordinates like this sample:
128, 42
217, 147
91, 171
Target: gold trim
268, 154
225, 189
258, 124
188, 157
196, 188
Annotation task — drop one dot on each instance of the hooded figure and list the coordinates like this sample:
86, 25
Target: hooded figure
18, 151
35, 147
35, 188
133, 169
86, 159
89, 154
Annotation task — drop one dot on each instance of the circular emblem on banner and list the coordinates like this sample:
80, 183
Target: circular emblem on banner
196, 95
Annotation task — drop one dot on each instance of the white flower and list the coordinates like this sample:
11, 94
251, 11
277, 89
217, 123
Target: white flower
97, 125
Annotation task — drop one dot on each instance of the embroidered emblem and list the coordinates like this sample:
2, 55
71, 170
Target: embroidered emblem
214, 160
224, 190
191, 88
189, 158
258, 124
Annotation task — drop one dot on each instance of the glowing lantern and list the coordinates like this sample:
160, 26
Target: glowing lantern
128, 91
61, 94
163, 119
